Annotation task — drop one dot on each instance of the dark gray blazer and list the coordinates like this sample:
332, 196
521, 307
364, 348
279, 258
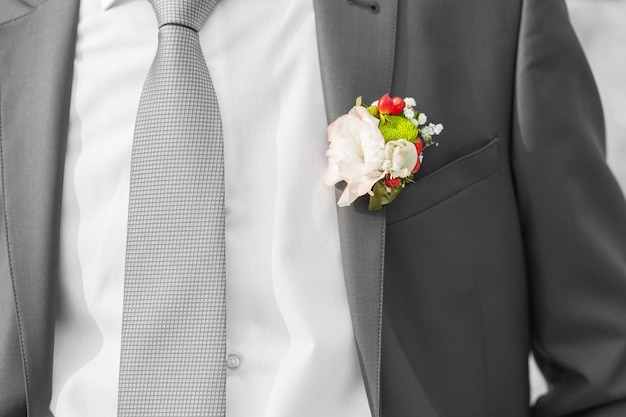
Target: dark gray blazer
513, 237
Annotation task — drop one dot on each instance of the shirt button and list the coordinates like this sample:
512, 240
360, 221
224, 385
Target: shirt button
232, 361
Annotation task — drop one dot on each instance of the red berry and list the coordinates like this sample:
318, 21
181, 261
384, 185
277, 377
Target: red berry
418, 148
417, 166
392, 182
397, 105
385, 104
419, 145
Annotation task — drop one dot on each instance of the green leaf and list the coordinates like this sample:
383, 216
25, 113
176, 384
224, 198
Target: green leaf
382, 195
374, 204
388, 197
373, 110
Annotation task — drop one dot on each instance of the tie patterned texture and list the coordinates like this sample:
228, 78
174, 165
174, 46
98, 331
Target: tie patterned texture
174, 319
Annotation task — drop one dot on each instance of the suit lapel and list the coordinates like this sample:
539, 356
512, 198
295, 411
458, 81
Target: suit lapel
36, 56
350, 34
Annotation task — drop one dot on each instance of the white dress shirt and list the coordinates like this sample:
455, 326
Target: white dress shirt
289, 334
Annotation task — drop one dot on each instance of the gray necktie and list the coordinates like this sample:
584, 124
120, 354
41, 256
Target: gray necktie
174, 320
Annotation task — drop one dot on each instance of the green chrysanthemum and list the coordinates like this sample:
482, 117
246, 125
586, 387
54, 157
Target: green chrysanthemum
397, 127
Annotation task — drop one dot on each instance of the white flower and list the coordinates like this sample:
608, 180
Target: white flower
409, 102
355, 154
400, 158
432, 129
427, 131
421, 119
408, 113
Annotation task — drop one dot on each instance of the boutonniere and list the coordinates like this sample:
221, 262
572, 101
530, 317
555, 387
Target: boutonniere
376, 149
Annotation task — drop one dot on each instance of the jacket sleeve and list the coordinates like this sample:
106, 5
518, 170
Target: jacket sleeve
574, 220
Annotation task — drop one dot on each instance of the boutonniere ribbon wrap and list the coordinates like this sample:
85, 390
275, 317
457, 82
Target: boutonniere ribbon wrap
377, 149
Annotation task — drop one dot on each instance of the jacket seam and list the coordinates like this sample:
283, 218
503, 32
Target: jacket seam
18, 315
23, 16
384, 217
461, 191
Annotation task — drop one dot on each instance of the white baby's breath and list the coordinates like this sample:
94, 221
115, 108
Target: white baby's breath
432, 129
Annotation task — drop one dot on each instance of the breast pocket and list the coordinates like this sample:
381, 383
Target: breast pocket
446, 182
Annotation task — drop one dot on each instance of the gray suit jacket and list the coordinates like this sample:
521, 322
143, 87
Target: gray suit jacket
513, 237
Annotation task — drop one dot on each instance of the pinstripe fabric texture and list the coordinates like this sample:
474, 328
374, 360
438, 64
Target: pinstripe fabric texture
174, 319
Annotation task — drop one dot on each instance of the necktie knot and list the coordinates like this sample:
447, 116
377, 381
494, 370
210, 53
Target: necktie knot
189, 13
